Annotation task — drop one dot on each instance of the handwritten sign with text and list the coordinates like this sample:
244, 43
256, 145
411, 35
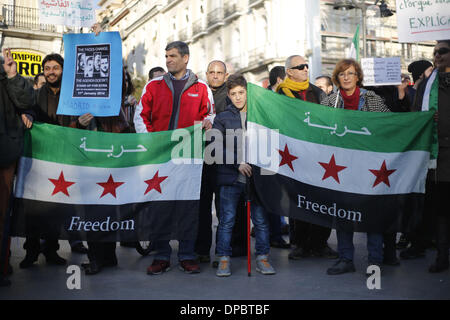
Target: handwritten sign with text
80, 13
381, 71
423, 20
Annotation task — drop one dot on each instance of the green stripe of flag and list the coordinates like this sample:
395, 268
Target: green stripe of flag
111, 150
389, 132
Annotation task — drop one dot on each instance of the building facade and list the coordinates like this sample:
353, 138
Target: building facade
251, 36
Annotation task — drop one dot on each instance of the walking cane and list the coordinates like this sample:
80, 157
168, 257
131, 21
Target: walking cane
249, 263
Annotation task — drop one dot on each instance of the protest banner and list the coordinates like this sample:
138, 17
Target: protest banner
28, 63
100, 186
80, 13
423, 20
345, 169
92, 78
381, 71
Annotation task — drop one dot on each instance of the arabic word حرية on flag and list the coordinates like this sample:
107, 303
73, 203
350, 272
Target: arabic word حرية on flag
97, 186
352, 170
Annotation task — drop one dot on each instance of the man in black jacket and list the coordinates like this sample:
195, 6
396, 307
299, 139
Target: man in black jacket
16, 95
308, 238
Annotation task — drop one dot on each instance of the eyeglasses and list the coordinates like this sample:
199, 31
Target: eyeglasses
349, 74
300, 66
441, 51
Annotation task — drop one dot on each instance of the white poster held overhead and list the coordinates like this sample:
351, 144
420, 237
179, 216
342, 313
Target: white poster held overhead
423, 20
80, 13
381, 71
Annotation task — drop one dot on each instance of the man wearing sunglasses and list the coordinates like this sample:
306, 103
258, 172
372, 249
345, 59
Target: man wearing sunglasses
309, 239
434, 94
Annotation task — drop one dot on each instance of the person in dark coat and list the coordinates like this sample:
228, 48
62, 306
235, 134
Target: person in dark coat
16, 95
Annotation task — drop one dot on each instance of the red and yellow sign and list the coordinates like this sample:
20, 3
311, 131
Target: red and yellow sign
28, 63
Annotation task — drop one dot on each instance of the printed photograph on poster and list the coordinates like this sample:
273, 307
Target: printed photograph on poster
90, 80
93, 74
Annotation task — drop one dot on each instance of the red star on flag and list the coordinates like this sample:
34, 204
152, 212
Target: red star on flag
154, 183
61, 184
287, 158
332, 169
382, 175
110, 186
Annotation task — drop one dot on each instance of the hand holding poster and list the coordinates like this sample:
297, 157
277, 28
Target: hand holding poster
80, 13
423, 20
381, 71
92, 78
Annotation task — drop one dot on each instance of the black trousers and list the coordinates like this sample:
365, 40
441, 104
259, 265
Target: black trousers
102, 252
307, 235
33, 245
439, 196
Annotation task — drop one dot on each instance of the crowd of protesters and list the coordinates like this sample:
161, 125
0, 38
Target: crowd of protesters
167, 103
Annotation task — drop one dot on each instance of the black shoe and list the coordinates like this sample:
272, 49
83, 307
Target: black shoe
53, 258
79, 248
29, 260
92, 268
280, 244
4, 282
342, 266
298, 254
412, 253
402, 243
325, 252
438, 267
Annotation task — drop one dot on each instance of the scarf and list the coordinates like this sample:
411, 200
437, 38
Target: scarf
350, 102
289, 85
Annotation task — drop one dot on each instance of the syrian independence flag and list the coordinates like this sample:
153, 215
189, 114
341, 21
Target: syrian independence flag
354, 48
353, 170
97, 186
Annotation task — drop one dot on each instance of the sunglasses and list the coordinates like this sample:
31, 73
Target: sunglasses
441, 51
301, 66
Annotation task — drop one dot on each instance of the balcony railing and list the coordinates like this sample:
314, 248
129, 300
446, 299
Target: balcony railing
24, 18
197, 27
256, 55
230, 9
215, 17
183, 35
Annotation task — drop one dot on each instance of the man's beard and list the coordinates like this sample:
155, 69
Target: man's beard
56, 84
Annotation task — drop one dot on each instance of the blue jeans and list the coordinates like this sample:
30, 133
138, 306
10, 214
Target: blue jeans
185, 250
374, 246
229, 197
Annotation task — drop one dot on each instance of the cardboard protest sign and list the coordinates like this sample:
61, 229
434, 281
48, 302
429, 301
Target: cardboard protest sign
381, 71
92, 77
423, 20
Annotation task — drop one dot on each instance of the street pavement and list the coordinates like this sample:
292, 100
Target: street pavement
294, 280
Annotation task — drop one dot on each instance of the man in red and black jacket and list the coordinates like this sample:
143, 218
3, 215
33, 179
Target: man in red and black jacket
173, 101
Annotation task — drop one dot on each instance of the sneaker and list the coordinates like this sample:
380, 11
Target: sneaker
224, 268
189, 266
263, 266
158, 267
280, 244
342, 266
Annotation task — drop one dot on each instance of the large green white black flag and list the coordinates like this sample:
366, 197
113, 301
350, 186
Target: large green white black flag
107, 187
361, 171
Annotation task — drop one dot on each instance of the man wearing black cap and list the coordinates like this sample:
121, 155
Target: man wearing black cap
420, 70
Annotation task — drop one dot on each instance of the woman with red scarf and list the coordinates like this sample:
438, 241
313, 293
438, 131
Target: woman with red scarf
348, 77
